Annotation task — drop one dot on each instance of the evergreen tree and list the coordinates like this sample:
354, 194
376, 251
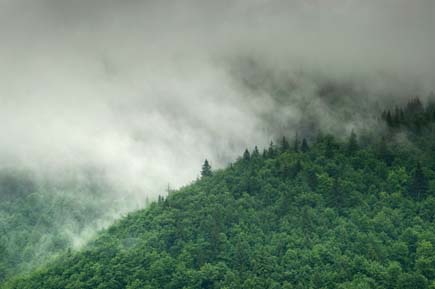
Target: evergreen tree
330, 146
296, 144
246, 155
397, 117
352, 144
297, 167
384, 152
255, 153
418, 186
284, 144
206, 169
271, 152
389, 119
264, 154
304, 146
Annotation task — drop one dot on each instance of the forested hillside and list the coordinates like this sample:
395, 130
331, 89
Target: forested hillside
38, 222
356, 212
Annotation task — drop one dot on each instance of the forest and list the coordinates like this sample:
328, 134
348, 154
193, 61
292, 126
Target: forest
324, 212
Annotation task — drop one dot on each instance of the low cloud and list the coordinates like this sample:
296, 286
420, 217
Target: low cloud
140, 92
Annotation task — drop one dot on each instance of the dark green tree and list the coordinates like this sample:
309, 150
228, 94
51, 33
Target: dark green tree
206, 169
384, 152
255, 153
304, 146
352, 144
418, 186
296, 144
389, 119
246, 155
284, 144
271, 152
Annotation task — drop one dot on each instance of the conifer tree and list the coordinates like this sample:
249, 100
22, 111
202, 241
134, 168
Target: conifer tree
389, 119
206, 169
352, 144
255, 153
304, 146
246, 155
384, 152
296, 144
297, 167
419, 185
264, 154
271, 150
284, 144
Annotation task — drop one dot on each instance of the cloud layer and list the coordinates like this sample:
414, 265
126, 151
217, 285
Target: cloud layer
143, 91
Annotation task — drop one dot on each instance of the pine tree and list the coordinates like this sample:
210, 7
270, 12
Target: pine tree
304, 146
246, 155
264, 154
296, 144
255, 153
296, 168
284, 144
389, 119
419, 185
330, 146
271, 151
384, 152
352, 144
206, 169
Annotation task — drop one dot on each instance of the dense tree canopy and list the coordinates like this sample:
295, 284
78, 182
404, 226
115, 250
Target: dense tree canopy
330, 214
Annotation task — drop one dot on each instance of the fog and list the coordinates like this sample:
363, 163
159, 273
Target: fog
143, 91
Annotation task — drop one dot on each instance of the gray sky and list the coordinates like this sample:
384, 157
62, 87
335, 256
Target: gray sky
145, 90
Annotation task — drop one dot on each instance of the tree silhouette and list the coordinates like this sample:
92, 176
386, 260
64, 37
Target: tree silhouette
284, 144
206, 169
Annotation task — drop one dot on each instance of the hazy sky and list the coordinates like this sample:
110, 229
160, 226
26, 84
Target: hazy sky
143, 91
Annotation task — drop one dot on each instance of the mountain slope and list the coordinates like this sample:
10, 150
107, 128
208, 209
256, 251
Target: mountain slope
336, 215
38, 221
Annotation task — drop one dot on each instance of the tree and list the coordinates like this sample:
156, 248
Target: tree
271, 152
296, 144
246, 155
384, 152
284, 144
389, 119
352, 144
419, 184
304, 146
255, 153
206, 169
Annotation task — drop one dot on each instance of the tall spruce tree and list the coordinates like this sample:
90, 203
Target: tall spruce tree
246, 155
271, 152
304, 146
296, 144
284, 144
206, 169
352, 144
418, 186
255, 153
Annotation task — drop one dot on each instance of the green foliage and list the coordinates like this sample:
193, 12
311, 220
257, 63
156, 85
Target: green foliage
206, 169
336, 215
330, 215
418, 186
37, 224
